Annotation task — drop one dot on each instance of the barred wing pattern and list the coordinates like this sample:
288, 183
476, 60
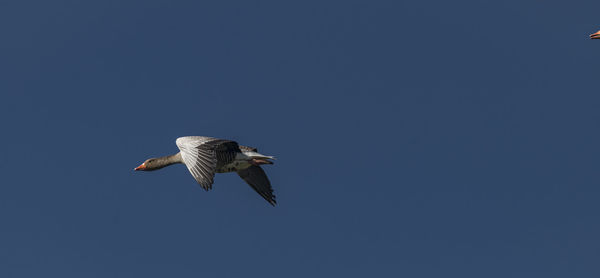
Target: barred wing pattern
203, 155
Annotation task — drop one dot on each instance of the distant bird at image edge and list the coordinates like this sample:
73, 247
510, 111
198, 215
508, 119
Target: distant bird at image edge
205, 156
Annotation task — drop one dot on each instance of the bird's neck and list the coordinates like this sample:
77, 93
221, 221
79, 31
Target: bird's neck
168, 160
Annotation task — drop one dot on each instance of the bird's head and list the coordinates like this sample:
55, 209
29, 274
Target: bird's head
595, 35
148, 165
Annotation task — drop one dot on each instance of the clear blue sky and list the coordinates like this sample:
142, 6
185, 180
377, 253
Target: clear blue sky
414, 138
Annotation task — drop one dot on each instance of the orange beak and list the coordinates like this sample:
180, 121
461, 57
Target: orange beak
595, 35
141, 167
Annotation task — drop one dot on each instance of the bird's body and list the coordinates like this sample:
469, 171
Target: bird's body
233, 167
205, 156
241, 162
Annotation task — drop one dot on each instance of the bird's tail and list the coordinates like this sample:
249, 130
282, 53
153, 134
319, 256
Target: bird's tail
258, 156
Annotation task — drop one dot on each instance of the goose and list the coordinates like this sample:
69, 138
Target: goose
595, 35
205, 156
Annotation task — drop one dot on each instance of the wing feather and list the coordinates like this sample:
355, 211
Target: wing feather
257, 179
203, 155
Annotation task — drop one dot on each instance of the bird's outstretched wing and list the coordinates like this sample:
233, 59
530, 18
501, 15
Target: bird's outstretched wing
257, 179
203, 155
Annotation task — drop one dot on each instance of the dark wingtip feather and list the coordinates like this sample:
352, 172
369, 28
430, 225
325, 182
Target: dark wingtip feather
257, 179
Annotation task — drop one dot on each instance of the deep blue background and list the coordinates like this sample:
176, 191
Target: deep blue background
414, 138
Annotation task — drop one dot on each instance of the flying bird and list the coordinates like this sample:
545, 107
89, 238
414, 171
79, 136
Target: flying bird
595, 35
205, 156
